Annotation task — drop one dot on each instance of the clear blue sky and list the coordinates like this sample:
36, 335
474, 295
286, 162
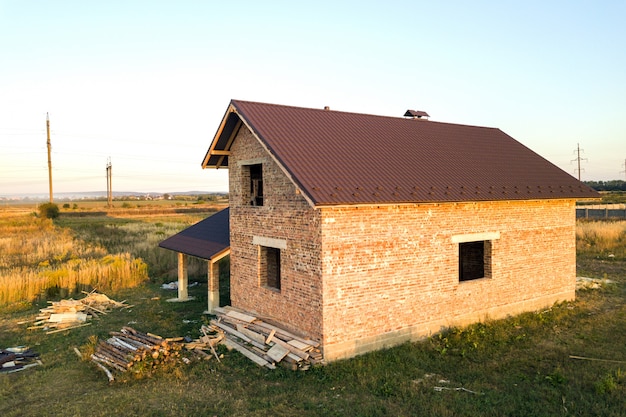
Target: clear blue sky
146, 83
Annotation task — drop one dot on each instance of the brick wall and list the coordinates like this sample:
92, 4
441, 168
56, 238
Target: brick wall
285, 215
390, 272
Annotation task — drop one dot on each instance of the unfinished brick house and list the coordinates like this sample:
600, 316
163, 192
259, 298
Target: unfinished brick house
366, 231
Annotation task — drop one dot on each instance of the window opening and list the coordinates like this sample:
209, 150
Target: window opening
269, 267
256, 185
474, 260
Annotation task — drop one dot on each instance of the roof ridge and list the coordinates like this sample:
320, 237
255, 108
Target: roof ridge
234, 101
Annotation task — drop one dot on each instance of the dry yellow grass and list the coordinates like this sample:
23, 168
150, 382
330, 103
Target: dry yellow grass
600, 236
36, 256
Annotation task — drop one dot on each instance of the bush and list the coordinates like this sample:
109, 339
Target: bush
49, 210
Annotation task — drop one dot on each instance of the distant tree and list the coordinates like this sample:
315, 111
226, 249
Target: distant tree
48, 210
66, 205
612, 185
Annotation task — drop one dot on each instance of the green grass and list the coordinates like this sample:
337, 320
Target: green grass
518, 366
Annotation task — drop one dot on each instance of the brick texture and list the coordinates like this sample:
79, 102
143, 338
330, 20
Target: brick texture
361, 278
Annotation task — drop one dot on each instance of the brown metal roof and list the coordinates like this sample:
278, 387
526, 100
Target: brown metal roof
205, 239
341, 158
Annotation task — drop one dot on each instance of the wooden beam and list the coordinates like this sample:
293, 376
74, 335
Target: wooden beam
183, 279
248, 354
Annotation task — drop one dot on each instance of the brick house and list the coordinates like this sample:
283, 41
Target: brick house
365, 231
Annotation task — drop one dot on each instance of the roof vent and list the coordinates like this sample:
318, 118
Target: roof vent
416, 114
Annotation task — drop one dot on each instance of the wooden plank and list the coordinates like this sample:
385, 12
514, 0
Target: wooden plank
299, 345
292, 349
219, 310
257, 337
250, 355
277, 352
240, 316
269, 337
285, 334
60, 317
237, 334
68, 328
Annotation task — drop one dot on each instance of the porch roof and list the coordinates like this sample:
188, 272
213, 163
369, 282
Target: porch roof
206, 239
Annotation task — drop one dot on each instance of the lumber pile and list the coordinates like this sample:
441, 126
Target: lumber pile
263, 343
17, 359
70, 314
137, 352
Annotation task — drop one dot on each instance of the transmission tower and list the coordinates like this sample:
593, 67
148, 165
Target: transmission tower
578, 158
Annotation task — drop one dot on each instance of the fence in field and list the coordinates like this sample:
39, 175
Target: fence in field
601, 211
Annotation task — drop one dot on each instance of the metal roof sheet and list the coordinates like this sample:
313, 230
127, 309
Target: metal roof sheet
341, 158
204, 239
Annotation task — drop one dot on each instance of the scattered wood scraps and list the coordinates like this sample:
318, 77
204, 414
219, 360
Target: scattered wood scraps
17, 359
263, 343
70, 314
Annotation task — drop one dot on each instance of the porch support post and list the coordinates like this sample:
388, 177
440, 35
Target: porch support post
213, 286
182, 277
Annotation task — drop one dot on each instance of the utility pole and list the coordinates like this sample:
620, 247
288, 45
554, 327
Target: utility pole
49, 158
578, 158
109, 183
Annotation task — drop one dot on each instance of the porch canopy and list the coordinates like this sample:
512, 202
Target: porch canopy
208, 239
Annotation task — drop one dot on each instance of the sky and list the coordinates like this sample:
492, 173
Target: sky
145, 84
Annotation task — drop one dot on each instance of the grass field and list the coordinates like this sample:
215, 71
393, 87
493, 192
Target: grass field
519, 366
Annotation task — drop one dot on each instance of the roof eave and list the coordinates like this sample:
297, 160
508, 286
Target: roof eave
345, 204
217, 155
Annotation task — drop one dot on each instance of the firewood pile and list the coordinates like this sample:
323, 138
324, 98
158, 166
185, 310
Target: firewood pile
70, 314
263, 343
17, 359
130, 350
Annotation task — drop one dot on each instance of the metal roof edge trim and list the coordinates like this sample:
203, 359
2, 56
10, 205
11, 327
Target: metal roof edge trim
213, 258
425, 203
